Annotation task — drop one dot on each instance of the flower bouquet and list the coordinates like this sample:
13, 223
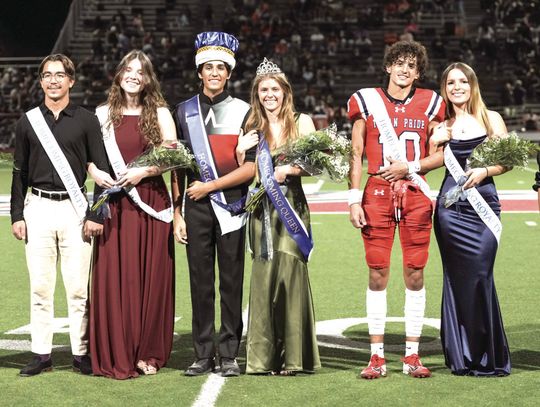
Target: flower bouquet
322, 151
167, 156
510, 151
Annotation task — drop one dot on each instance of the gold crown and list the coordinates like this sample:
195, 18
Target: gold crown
267, 67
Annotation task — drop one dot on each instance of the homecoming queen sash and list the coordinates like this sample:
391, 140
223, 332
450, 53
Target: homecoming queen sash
119, 166
476, 200
288, 216
228, 215
59, 161
388, 134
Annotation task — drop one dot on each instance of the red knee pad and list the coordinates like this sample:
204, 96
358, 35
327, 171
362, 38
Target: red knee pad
415, 246
378, 246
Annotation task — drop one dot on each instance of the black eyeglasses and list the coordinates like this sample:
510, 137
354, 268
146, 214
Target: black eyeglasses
58, 76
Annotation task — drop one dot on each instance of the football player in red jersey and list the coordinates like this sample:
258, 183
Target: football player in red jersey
388, 125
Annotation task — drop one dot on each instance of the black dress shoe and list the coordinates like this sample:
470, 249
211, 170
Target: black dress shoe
84, 366
229, 367
35, 367
200, 367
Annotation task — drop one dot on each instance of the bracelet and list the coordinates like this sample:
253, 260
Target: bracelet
487, 172
355, 196
413, 166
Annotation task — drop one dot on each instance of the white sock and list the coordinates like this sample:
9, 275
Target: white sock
376, 311
377, 349
411, 348
415, 305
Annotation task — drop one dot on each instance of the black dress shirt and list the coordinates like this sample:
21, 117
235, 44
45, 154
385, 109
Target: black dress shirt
78, 134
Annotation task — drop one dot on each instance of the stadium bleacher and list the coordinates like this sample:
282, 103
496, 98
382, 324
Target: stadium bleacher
328, 48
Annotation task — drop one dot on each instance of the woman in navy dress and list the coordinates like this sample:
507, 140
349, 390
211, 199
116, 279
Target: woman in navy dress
472, 332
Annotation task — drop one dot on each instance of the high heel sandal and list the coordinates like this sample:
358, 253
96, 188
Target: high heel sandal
145, 368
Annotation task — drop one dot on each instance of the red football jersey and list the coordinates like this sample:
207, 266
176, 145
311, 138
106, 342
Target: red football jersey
409, 117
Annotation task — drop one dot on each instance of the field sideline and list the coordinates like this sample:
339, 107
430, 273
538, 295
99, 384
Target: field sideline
338, 277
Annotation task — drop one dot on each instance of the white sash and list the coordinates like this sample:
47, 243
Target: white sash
388, 134
119, 166
473, 196
59, 161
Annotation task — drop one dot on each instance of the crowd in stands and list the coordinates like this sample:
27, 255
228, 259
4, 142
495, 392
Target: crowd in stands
303, 38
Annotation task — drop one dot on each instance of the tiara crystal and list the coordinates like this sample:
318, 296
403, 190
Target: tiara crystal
267, 67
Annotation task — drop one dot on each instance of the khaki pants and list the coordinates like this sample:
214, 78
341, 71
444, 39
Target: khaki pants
55, 231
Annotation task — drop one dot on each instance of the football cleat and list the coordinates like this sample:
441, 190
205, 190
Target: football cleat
413, 367
375, 369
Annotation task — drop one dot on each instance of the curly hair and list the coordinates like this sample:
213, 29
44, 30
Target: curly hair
150, 97
407, 49
257, 118
475, 106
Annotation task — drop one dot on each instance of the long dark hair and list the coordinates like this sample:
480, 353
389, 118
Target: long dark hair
150, 97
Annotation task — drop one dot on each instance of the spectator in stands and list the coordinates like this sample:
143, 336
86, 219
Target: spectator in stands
51, 217
520, 93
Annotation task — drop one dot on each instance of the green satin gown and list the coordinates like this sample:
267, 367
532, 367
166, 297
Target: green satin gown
281, 327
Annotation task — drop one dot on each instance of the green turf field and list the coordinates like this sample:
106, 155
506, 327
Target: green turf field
338, 278
516, 179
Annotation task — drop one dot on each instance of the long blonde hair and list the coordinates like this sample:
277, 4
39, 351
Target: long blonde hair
475, 106
150, 97
257, 118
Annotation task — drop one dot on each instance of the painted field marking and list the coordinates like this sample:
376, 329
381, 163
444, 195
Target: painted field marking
531, 223
212, 386
330, 334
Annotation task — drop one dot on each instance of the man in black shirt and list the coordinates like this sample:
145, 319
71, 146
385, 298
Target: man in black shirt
210, 124
55, 144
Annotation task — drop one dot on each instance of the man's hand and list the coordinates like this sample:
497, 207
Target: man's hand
179, 229
91, 229
395, 171
19, 229
356, 216
198, 190
441, 134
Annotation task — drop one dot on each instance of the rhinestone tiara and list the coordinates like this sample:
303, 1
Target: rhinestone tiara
267, 67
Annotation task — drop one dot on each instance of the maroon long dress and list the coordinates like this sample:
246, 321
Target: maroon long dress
132, 295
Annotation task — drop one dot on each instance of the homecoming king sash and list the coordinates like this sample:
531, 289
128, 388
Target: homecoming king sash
290, 219
388, 134
119, 166
227, 215
59, 161
476, 200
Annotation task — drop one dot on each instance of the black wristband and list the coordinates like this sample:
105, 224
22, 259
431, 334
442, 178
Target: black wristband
537, 179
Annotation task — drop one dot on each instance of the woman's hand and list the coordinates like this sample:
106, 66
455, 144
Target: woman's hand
132, 177
441, 134
102, 178
281, 172
245, 142
476, 176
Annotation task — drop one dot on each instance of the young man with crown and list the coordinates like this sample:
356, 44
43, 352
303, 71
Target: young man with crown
391, 125
210, 223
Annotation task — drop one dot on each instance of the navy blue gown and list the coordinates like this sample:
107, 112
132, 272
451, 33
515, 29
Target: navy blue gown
472, 332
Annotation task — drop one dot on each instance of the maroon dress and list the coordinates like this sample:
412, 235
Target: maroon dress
132, 297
